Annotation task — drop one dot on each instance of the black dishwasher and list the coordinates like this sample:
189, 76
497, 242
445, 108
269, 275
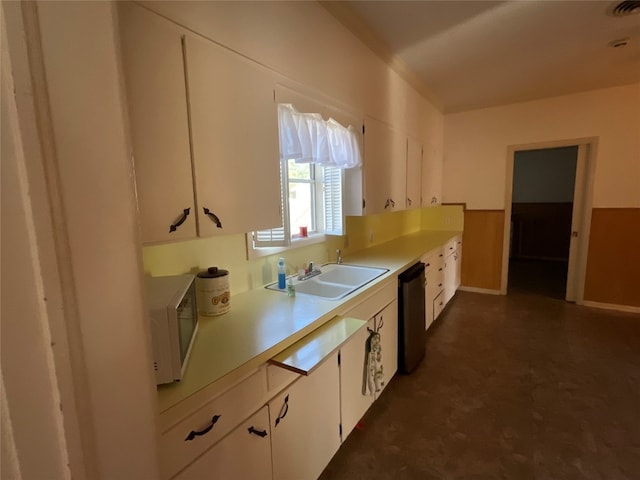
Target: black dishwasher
411, 331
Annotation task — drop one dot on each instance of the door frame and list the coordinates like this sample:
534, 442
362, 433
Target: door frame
583, 198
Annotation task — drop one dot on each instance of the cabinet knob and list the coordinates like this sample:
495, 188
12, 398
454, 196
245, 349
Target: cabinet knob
212, 216
193, 434
408, 201
185, 213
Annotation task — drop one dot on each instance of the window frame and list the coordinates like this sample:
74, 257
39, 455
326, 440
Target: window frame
320, 213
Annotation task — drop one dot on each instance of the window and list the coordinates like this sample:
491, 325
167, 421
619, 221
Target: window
313, 203
313, 153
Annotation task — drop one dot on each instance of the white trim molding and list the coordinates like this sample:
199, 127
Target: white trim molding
479, 290
611, 306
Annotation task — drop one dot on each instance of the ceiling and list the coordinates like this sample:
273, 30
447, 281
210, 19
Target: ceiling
464, 55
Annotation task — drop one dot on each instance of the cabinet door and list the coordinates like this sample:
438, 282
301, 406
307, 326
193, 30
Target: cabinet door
430, 277
244, 453
450, 272
431, 176
434, 275
354, 401
234, 127
385, 152
156, 96
414, 173
387, 324
305, 424
458, 275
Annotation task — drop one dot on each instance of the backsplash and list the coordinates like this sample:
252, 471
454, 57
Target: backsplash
230, 251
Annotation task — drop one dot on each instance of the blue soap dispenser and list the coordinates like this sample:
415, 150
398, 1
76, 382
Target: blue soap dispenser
282, 274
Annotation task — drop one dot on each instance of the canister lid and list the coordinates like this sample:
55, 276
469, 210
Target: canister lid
213, 272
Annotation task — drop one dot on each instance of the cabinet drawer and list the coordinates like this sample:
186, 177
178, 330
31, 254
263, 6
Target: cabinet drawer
279, 378
432, 261
451, 246
435, 281
374, 303
438, 305
251, 440
181, 444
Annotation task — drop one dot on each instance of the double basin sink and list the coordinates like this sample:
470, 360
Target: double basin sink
334, 281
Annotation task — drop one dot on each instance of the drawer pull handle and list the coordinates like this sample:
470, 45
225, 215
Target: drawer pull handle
185, 213
439, 284
440, 269
283, 410
260, 433
193, 434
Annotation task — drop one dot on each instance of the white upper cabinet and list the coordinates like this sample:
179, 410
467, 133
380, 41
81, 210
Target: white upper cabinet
156, 94
385, 167
204, 129
414, 173
431, 176
234, 128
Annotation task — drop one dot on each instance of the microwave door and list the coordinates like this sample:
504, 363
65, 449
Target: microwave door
187, 313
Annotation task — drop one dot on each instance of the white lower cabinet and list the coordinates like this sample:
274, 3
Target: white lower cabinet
452, 268
305, 424
355, 395
244, 454
434, 275
387, 325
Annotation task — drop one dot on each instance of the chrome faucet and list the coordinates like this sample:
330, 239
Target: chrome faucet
339, 255
309, 272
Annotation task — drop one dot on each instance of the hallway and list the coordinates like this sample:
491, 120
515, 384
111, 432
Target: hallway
516, 387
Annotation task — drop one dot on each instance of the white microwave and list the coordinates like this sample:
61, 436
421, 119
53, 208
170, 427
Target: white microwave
173, 316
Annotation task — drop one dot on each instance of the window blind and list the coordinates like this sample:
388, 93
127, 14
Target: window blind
279, 236
332, 178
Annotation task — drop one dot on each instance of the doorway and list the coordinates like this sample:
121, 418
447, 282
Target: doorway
541, 212
548, 251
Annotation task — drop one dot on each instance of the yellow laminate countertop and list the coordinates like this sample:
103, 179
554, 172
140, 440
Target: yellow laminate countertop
263, 323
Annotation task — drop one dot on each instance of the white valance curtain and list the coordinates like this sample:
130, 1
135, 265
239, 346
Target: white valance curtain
308, 138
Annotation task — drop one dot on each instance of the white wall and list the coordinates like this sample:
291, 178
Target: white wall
83, 186
33, 440
475, 144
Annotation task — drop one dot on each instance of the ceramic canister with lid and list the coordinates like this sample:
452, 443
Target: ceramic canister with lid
212, 291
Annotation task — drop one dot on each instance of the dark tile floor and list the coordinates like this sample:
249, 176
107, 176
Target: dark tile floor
542, 277
512, 387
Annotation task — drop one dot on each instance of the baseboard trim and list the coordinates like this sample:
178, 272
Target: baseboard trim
611, 306
479, 290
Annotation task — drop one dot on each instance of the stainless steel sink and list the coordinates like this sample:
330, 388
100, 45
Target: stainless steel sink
336, 280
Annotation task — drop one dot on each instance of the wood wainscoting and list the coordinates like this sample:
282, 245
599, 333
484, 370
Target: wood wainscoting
482, 249
613, 262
